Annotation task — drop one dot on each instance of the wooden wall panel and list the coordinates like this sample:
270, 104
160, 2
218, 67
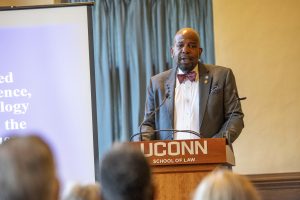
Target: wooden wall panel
279, 186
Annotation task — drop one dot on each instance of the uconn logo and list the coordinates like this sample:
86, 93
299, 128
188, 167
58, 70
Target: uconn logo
174, 148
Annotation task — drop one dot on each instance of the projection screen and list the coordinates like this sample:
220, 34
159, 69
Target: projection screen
47, 84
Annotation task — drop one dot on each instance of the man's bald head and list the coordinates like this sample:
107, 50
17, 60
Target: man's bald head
188, 32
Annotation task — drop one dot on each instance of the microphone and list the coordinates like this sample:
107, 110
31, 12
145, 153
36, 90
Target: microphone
182, 131
225, 133
151, 114
241, 98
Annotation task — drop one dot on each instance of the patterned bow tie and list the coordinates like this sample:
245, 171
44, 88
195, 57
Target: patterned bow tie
190, 75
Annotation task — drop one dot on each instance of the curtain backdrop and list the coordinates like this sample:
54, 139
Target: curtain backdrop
132, 40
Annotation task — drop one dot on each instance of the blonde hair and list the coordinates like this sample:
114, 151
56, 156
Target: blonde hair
84, 192
27, 169
225, 185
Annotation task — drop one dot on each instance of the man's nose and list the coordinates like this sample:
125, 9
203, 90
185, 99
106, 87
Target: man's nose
185, 49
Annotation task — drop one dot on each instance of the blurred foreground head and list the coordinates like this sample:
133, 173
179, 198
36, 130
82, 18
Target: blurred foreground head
125, 174
225, 185
27, 170
84, 192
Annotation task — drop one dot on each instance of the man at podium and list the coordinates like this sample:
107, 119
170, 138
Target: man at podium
192, 96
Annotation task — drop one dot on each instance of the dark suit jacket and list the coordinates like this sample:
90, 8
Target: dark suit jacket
218, 97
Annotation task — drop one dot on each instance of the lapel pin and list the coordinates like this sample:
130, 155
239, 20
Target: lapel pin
206, 79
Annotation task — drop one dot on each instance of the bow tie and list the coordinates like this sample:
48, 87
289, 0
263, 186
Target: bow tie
190, 75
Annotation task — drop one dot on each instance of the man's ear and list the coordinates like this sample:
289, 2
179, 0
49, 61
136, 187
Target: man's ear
200, 51
172, 52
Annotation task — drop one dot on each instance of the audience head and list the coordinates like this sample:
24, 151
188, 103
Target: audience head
27, 170
84, 192
125, 174
225, 185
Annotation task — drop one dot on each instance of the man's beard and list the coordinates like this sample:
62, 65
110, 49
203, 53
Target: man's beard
187, 68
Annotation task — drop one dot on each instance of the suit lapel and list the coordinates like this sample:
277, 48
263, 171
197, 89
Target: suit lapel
170, 88
204, 85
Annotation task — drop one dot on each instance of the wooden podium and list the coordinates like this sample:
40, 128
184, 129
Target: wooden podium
179, 165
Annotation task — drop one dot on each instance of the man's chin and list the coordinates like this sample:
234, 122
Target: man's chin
186, 67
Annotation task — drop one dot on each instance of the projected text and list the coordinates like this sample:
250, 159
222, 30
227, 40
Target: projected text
19, 106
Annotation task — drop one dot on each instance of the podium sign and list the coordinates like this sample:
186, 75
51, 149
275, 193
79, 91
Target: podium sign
182, 152
179, 165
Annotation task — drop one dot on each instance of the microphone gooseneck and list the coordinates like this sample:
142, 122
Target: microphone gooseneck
173, 130
151, 114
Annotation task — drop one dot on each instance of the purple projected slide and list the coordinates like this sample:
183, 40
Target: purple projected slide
45, 88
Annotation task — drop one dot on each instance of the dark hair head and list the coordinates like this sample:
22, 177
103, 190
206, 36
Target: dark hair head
125, 174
